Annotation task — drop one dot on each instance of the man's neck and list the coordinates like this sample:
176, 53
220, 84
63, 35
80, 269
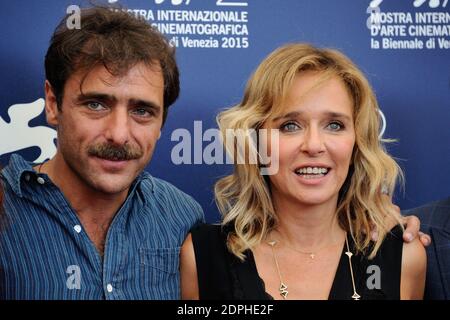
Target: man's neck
94, 209
83, 198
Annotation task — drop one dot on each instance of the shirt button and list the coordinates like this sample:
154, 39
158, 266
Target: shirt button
77, 228
109, 288
40, 180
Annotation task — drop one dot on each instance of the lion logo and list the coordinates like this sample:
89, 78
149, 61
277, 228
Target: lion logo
18, 135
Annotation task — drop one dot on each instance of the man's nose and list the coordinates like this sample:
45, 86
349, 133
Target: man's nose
118, 126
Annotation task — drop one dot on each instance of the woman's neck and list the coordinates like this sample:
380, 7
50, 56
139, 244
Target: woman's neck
307, 227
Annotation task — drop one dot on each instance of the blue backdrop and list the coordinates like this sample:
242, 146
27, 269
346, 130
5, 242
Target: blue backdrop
412, 82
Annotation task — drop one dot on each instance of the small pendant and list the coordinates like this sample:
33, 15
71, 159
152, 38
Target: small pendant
312, 255
349, 254
283, 290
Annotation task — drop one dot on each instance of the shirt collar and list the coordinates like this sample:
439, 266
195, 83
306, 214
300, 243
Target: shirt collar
19, 169
139, 188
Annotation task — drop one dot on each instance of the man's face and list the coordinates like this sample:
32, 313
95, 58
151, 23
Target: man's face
107, 131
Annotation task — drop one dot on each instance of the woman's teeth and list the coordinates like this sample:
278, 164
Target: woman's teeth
312, 171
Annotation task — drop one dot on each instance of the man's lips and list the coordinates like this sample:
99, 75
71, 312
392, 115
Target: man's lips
112, 165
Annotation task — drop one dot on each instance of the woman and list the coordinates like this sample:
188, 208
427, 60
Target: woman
304, 231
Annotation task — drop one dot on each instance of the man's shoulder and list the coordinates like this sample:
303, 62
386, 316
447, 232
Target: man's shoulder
164, 188
13, 172
433, 214
169, 196
15, 167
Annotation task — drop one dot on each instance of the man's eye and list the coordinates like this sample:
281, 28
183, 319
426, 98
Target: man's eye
96, 106
335, 126
142, 112
289, 127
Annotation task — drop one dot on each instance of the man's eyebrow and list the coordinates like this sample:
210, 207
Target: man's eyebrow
96, 96
145, 104
112, 99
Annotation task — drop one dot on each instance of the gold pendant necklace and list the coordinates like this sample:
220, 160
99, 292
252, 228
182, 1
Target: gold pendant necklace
310, 254
283, 288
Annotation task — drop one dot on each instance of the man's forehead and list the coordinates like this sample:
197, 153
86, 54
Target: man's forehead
139, 83
137, 74
100, 78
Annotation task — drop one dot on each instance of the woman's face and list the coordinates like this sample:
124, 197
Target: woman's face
316, 140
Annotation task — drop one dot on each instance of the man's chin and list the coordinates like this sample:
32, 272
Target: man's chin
112, 186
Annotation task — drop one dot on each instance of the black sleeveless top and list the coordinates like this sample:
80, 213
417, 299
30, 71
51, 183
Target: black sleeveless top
222, 276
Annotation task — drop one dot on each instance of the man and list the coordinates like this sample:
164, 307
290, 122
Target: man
435, 219
90, 223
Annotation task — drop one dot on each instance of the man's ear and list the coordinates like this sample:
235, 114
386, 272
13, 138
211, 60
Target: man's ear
51, 106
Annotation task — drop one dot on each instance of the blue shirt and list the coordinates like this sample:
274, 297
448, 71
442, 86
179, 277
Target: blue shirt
46, 254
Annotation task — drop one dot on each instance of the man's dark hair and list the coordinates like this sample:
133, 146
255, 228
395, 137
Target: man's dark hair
114, 39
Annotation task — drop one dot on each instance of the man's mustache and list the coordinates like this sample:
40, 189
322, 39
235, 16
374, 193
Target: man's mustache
115, 152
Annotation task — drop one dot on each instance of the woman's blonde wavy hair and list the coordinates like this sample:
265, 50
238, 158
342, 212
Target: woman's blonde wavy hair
244, 197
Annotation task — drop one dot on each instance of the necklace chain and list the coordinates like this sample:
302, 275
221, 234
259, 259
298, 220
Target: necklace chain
311, 254
40, 167
283, 288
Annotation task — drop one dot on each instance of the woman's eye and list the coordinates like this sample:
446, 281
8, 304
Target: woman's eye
335, 126
289, 127
96, 106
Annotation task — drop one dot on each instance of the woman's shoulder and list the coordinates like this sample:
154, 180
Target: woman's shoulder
393, 240
390, 250
414, 253
209, 237
389, 253
206, 227
206, 230
383, 272
395, 234
414, 263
